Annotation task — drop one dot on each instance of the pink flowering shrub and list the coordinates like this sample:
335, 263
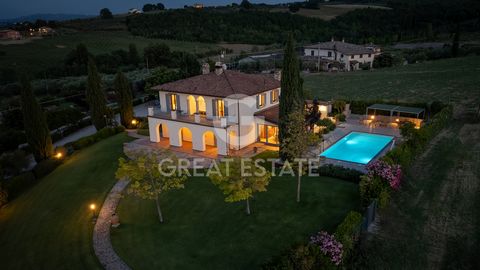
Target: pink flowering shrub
392, 173
330, 247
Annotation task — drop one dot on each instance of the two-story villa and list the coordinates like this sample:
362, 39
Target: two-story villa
351, 55
222, 110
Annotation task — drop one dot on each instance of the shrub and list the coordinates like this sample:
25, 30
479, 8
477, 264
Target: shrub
327, 123
329, 246
341, 117
14, 162
370, 189
300, 256
3, 195
391, 173
340, 172
100, 135
313, 139
45, 167
144, 132
20, 183
348, 232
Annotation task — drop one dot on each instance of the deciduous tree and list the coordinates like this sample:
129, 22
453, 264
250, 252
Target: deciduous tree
36, 128
105, 13
294, 145
150, 178
239, 180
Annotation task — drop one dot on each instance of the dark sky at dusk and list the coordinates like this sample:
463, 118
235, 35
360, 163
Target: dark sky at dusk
16, 8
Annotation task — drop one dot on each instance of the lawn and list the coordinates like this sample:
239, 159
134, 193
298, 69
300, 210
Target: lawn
36, 55
49, 226
429, 81
203, 231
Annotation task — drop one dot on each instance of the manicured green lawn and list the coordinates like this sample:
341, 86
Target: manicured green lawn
204, 232
51, 51
49, 226
429, 81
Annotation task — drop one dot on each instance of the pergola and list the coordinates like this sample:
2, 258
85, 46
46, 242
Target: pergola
395, 110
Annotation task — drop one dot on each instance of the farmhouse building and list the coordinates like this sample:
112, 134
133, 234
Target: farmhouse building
10, 34
351, 56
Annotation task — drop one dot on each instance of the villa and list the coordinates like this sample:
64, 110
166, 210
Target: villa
351, 56
219, 111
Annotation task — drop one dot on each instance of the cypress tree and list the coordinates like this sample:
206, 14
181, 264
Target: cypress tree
35, 122
133, 57
96, 97
124, 91
291, 98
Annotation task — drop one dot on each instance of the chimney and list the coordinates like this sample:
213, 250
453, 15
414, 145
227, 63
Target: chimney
205, 68
219, 68
278, 75
343, 40
333, 39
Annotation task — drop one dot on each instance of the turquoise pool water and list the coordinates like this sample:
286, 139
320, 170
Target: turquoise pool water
357, 147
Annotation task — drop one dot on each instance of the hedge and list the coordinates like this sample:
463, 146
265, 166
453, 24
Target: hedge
100, 135
406, 152
348, 232
340, 172
45, 167
18, 184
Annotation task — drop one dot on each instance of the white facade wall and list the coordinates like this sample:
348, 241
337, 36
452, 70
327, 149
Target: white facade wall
198, 137
232, 136
343, 58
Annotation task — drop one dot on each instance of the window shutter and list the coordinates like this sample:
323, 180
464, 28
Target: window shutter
214, 107
178, 102
258, 101
271, 96
225, 107
168, 99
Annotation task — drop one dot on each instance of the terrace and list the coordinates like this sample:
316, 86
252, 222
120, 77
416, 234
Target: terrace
385, 115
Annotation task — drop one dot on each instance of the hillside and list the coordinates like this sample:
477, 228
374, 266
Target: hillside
327, 12
443, 80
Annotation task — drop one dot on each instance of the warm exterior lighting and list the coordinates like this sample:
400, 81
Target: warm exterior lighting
93, 206
59, 155
397, 120
372, 117
134, 122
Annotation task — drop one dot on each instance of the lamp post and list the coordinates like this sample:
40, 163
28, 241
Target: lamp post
93, 208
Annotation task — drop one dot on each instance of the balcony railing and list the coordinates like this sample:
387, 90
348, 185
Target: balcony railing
192, 119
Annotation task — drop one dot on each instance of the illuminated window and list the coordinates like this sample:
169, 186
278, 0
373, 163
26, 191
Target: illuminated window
268, 134
274, 96
262, 134
260, 101
173, 102
220, 104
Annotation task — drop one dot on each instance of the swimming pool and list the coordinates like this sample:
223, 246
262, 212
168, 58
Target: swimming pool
357, 147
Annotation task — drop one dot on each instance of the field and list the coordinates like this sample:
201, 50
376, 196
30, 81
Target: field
49, 226
442, 80
204, 232
434, 220
327, 12
35, 56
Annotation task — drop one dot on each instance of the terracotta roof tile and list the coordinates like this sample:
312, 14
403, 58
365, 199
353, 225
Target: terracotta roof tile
226, 84
270, 114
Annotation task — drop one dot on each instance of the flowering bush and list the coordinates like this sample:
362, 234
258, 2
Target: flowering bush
392, 173
330, 247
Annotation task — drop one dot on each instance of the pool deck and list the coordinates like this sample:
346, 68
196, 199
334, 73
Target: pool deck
353, 124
